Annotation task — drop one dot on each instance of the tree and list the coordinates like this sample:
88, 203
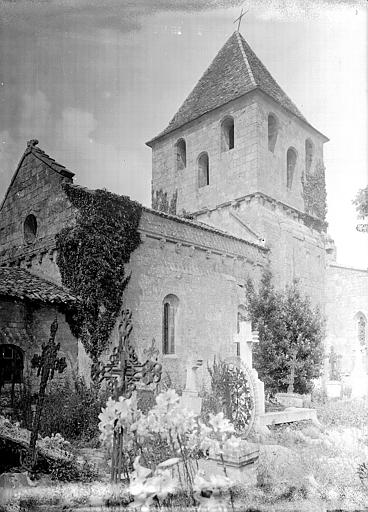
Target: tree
361, 205
361, 202
290, 336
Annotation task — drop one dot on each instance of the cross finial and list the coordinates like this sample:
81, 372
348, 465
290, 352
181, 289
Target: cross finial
32, 143
239, 19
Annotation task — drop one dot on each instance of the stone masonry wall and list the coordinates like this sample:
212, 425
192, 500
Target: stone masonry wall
346, 297
232, 173
205, 269
29, 327
209, 287
36, 190
296, 250
248, 167
272, 168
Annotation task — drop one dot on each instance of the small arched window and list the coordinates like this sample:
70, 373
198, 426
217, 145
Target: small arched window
227, 134
30, 228
290, 163
362, 328
308, 155
272, 131
11, 364
170, 307
181, 154
203, 170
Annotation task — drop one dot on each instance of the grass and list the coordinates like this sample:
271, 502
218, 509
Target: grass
301, 468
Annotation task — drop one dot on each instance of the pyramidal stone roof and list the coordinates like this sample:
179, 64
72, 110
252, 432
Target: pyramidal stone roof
235, 71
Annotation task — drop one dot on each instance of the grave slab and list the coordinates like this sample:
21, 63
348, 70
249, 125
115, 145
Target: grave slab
288, 415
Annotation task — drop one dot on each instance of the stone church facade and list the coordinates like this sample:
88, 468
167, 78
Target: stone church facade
237, 185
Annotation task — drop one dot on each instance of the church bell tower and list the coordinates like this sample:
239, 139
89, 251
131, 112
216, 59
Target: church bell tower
239, 155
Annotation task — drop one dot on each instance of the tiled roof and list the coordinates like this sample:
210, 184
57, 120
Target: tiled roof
204, 230
46, 159
236, 70
18, 283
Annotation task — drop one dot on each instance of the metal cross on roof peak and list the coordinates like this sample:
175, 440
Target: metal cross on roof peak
239, 19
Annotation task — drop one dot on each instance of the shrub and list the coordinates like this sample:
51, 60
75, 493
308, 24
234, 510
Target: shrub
72, 410
290, 336
71, 471
230, 394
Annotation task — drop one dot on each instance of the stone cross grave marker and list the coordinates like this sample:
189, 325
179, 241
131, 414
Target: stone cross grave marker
245, 339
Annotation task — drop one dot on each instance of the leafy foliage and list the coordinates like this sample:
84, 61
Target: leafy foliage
161, 202
71, 471
361, 202
72, 410
287, 325
314, 192
91, 257
231, 394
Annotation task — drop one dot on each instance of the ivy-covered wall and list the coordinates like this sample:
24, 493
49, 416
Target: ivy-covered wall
314, 192
91, 256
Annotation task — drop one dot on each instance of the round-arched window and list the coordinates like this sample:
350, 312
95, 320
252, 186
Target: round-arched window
170, 307
30, 228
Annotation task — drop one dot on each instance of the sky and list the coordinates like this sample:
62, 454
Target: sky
93, 80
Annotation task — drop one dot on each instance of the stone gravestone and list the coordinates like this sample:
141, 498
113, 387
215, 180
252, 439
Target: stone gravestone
190, 398
245, 339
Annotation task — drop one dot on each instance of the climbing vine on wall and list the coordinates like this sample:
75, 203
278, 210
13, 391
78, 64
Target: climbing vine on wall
91, 257
161, 202
314, 192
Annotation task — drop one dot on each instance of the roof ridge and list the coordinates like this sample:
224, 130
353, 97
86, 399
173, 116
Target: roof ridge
249, 69
202, 225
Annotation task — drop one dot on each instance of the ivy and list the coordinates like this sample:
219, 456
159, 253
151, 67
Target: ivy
91, 257
314, 192
161, 202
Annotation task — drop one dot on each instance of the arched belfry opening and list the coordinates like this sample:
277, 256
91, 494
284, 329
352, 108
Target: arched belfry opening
291, 158
181, 154
227, 134
272, 132
203, 170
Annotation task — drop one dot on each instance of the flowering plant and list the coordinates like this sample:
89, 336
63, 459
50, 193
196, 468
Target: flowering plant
185, 436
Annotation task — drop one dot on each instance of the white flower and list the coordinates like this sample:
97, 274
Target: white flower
221, 425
